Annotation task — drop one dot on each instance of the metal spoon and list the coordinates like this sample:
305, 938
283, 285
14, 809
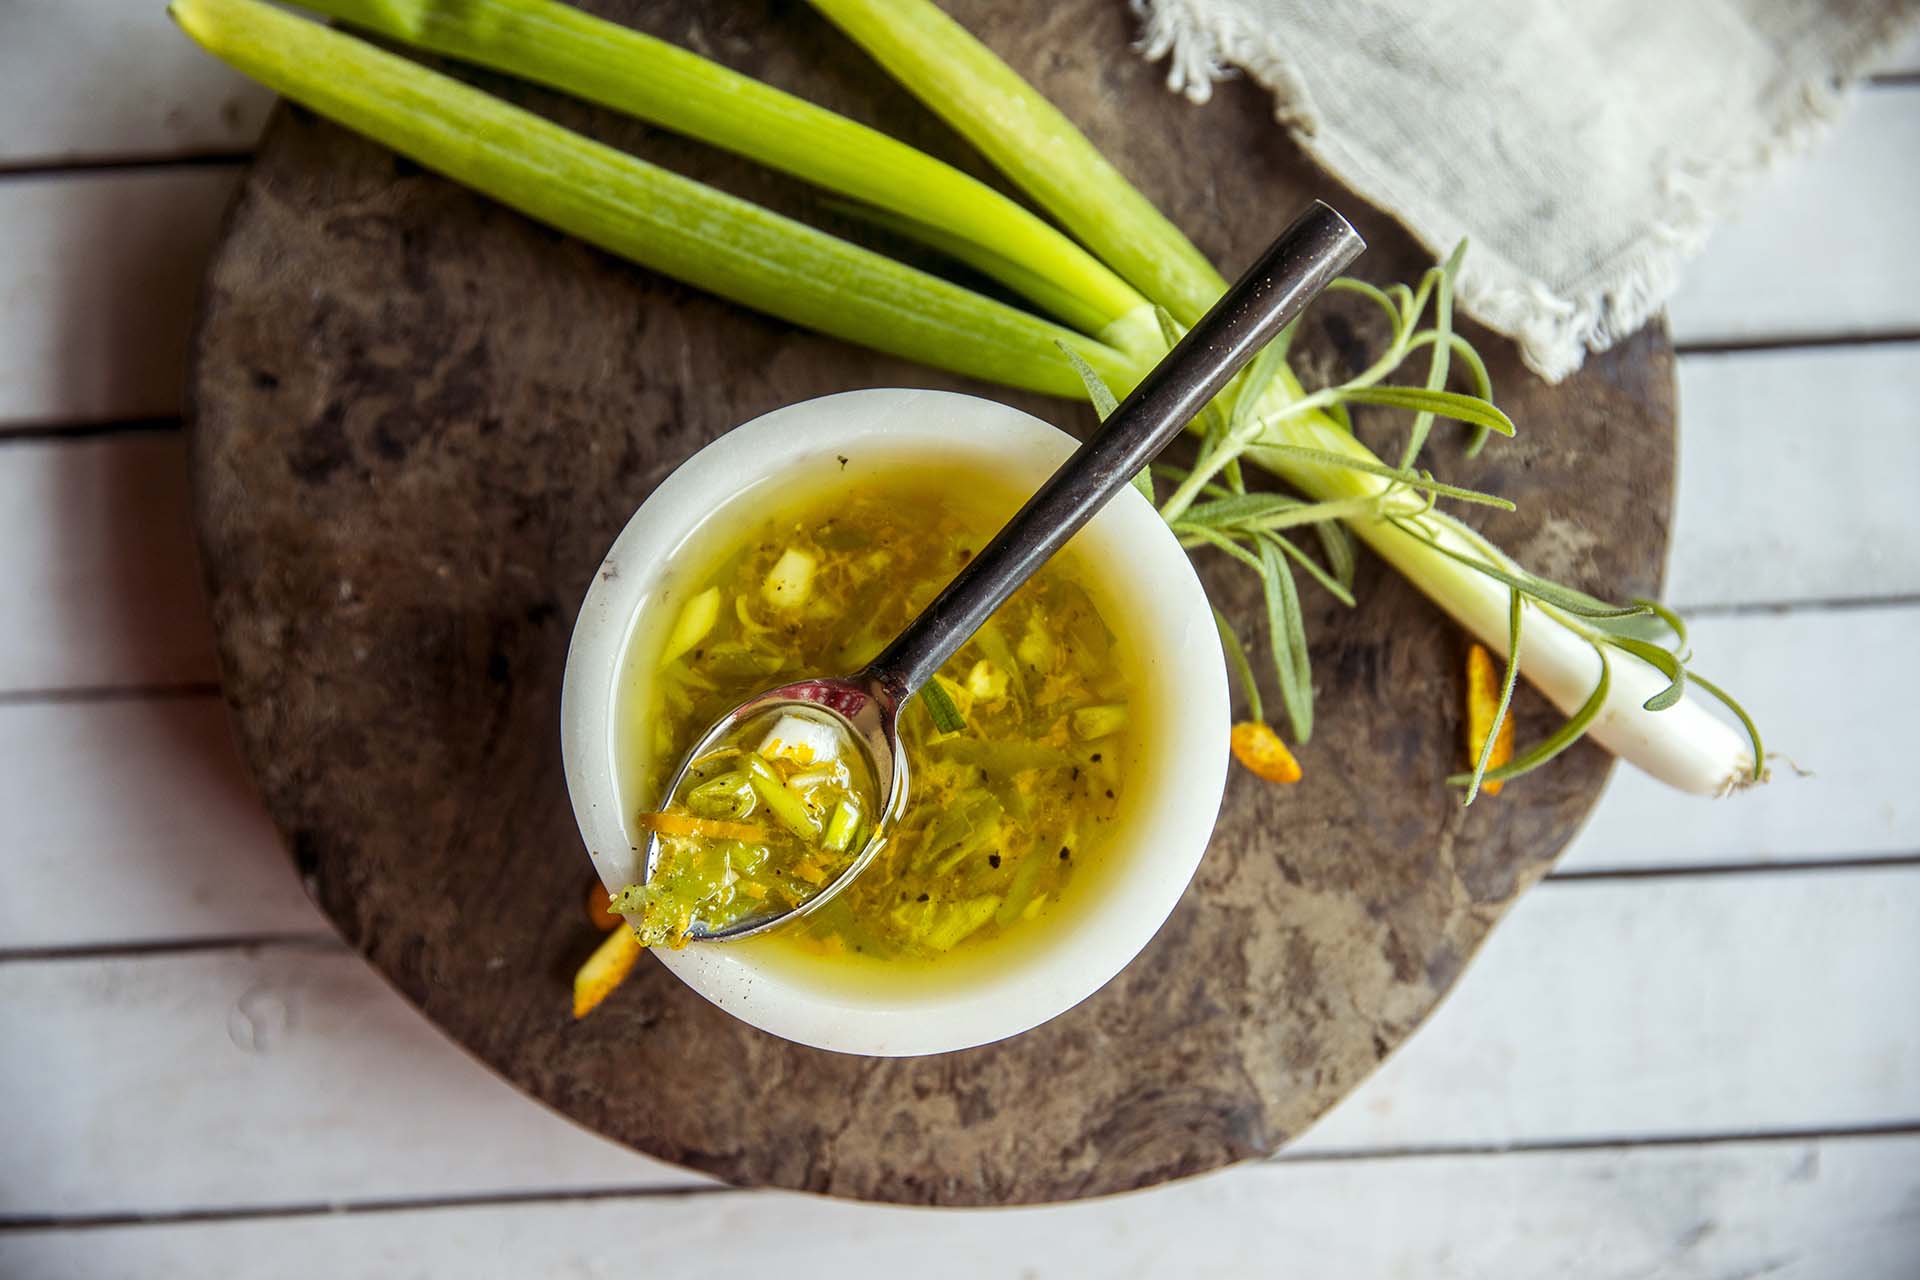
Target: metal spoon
1294, 269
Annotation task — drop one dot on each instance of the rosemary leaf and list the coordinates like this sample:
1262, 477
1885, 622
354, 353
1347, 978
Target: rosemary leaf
1098, 393
1446, 404
1337, 543
1438, 363
1104, 404
1193, 535
1346, 284
1668, 665
1305, 561
1238, 664
1578, 603
1562, 738
1241, 507
1674, 622
1506, 696
1746, 722
1287, 634
1425, 484
1261, 380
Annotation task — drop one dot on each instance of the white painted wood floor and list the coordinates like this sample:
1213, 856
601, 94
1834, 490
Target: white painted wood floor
1694, 1051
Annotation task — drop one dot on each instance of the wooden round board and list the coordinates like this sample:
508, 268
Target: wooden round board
418, 421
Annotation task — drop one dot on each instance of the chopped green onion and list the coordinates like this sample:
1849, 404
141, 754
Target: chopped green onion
957, 921
946, 716
696, 618
788, 807
841, 826
729, 796
1090, 723
790, 581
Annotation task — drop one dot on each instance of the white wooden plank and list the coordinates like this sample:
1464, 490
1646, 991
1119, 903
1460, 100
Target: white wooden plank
1782, 1209
99, 583
1904, 60
97, 289
1718, 1004
1825, 246
132, 821
1795, 471
1832, 689
1600, 1010
84, 79
287, 1075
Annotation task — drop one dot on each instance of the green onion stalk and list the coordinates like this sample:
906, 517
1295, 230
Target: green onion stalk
1119, 289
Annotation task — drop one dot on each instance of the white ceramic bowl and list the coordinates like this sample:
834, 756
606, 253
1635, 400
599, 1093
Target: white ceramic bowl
1164, 617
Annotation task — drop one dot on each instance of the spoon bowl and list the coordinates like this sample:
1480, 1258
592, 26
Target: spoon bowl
868, 712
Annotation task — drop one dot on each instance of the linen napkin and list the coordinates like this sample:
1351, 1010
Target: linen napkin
1585, 147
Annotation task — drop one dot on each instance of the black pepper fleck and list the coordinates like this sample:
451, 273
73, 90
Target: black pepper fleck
993, 860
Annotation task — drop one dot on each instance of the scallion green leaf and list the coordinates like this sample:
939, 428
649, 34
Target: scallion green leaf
945, 716
588, 57
672, 224
1031, 141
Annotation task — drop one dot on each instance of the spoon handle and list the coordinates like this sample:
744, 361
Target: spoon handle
1290, 274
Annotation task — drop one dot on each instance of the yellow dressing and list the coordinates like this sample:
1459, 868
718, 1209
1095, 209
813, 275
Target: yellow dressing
1008, 818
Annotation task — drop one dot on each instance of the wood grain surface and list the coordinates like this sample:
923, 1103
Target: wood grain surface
418, 420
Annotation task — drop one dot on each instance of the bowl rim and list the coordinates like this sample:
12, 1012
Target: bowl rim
1166, 832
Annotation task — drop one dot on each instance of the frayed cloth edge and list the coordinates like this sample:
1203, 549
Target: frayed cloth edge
1554, 331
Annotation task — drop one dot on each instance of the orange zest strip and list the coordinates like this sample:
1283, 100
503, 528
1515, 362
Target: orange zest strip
1259, 749
599, 909
604, 970
680, 824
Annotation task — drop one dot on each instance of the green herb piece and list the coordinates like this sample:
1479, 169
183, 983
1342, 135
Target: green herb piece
1092, 723
1506, 696
1562, 738
1287, 633
1746, 722
1237, 663
787, 806
946, 717
841, 826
